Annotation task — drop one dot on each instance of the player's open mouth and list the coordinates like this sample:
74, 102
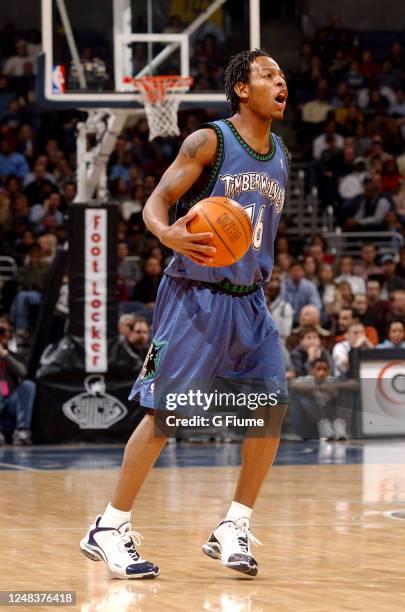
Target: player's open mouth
281, 100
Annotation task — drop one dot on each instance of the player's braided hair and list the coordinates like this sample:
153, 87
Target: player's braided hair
238, 71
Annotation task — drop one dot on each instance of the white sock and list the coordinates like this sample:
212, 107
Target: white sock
237, 511
114, 518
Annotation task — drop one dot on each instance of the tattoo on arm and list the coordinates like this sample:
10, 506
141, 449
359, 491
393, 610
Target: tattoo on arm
191, 146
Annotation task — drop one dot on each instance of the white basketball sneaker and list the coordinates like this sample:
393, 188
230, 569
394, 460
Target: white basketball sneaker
117, 548
230, 542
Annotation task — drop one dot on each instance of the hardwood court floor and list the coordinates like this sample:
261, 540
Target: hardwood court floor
328, 542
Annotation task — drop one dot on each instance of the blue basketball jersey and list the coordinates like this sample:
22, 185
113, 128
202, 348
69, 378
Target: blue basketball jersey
257, 182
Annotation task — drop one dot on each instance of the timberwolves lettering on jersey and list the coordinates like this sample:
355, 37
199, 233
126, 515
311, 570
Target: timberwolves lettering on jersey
257, 182
252, 181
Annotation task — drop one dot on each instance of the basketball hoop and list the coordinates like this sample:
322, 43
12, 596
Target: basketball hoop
161, 105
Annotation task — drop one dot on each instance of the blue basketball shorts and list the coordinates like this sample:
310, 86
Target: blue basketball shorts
204, 335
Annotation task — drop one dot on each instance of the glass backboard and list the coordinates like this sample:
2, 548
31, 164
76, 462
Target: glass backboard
91, 46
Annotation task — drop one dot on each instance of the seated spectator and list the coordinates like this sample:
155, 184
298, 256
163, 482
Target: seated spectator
12, 185
27, 142
388, 78
23, 246
391, 178
146, 289
157, 252
42, 161
343, 296
368, 68
308, 350
47, 214
363, 141
355, 338
328, 169
378, 309
337, 68
377, 150
311, 269
134, 204
299, 291
34, 45
317, 395
282, 245
48, 244
10, 162
348, 118
280, 309
129, 271
120, 170
318, 250
397, 56
40, 188
371, 208
395, 336
321, 142
311, 316
32, 278
68, 193
12, 119
126, 324
393, 224
390, 280
367, 265
16, 65
284, 261
139, 338
346, 317
94, 69
327, 288
17, 394
396, 306
341, 91
354, 78
351, 185
360, 308
356, 283
316, 111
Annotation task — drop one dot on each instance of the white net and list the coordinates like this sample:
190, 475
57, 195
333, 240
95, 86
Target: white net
161, 105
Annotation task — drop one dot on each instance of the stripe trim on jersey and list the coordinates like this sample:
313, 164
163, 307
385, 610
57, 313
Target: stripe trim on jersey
219, 158
258, 156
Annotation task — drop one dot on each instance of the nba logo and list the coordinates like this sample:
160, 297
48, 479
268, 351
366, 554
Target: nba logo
58, 79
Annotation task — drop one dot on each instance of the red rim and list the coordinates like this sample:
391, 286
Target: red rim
155, 87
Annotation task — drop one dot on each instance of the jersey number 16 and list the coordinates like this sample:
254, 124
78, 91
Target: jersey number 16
258, 226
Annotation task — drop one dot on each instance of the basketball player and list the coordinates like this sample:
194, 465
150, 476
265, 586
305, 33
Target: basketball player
210, 321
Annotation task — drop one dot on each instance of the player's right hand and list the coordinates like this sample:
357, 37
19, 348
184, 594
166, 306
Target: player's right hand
196, 247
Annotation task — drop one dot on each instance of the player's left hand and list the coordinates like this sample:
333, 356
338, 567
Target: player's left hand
196, 247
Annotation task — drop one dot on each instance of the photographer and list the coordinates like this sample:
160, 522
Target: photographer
318, 398
17, 395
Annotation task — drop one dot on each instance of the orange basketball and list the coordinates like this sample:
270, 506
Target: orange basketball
230, 224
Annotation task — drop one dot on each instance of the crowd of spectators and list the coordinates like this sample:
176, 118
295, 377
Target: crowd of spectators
326, 312
350, 94
352, 128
